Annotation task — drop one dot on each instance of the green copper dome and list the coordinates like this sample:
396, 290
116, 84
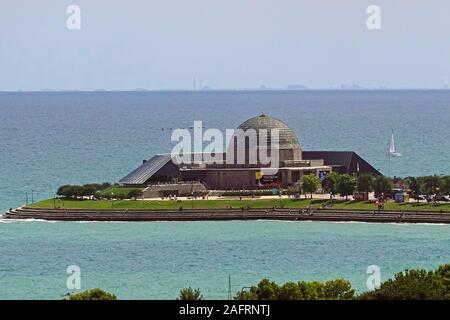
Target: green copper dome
287, 137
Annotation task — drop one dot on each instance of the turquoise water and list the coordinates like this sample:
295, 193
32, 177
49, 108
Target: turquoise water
155, 260
50, 139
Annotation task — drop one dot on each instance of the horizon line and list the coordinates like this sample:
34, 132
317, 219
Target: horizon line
220, 90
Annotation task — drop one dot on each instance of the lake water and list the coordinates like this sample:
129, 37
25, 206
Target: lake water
155, 260
48, 139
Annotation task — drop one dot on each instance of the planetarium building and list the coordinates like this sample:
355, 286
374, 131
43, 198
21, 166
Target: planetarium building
226, 172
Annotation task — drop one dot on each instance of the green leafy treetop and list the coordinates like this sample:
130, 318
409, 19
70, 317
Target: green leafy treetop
414, 285
432, 185
310, 184
415, 186
190, 294
93, 294
382, 184
365, 182
346, 185
329, 184
446, 185
134, 194
442, 280
338, 289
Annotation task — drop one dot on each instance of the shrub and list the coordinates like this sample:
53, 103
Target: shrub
190, 294
338, 289
93, 294
382, 184
416, 284
310, 184
134, 194
346, 185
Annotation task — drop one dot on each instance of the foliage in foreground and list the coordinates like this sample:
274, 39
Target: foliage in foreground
338, 289
417, 284
190, 294
93, 294
414, 285
98, 191
310, 184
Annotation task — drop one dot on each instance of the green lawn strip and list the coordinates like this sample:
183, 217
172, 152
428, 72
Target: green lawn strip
235, 203
160, 204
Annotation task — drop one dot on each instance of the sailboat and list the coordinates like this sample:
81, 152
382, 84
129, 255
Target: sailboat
392, 151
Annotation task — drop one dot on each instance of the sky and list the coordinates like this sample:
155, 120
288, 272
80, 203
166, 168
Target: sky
225, 44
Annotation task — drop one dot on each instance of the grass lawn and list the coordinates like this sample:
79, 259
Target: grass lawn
235, 203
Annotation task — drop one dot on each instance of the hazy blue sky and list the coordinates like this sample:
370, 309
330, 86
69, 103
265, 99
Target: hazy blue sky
227, 43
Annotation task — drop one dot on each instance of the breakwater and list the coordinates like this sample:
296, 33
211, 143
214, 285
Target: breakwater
228, 214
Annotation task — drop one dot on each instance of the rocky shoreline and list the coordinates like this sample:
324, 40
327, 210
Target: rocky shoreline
337, 215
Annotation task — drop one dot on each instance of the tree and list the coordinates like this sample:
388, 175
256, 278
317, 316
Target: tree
65, 191
346, 185
93, 294
364, 182
104, 185
88, 190
442, 280
310, 183
289, 291
382, 184
338, 289
432, 185
329, 184
415, 186
134, 194
446, 185
407, 285
119, 196
264, 290
190, 294
77, 191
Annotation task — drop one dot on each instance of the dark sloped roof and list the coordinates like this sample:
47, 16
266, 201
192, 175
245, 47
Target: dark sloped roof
144, 172
350, 160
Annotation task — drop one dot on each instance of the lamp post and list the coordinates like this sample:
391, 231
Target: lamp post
192, 195
280, 196
112, 200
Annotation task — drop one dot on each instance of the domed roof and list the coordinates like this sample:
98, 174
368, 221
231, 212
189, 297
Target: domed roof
287, 137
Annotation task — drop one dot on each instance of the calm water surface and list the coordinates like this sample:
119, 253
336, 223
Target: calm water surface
155, 260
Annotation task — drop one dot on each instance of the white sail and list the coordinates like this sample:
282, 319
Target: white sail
392, 146
392, 150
